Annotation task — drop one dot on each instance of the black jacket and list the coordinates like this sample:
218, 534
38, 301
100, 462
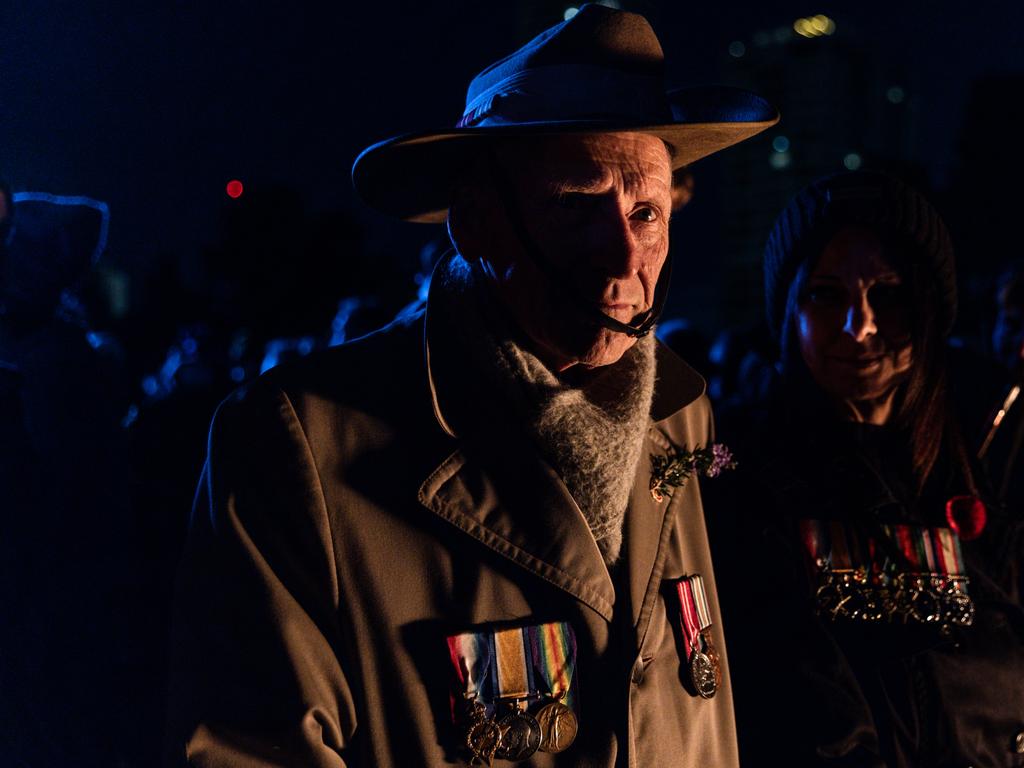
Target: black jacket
813, 691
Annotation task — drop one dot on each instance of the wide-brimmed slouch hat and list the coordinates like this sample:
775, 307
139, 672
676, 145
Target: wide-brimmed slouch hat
601, 71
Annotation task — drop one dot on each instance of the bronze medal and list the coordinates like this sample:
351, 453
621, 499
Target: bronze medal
520, 736
558, 727
702, 673
712, 653
483, 736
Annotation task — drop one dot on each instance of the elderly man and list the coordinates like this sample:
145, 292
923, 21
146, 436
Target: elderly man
475, 535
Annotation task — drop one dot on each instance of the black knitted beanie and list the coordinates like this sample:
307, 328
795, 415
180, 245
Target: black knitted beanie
866, 198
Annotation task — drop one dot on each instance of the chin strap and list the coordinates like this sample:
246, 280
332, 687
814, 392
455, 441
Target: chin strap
639, 327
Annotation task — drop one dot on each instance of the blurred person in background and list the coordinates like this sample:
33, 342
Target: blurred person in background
70, 643
741, 369
679, 335
1002, 436
870, 587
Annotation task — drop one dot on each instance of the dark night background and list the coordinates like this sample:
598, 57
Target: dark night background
155, 107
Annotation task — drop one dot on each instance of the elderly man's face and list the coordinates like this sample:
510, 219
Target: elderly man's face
598, 208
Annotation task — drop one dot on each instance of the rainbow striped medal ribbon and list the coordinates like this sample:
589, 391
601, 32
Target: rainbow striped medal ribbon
695, 618
553, 649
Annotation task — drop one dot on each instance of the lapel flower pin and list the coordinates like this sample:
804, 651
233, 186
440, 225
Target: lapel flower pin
672, 470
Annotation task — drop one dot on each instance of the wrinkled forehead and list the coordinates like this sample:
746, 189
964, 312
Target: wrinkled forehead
591, 160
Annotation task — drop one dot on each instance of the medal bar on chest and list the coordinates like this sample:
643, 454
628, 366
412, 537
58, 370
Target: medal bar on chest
905, 573
515, 686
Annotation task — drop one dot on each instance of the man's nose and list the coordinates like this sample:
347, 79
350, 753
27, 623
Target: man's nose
614, 245
860, 319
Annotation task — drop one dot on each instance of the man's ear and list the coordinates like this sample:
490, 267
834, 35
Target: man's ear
682, 188
469, 221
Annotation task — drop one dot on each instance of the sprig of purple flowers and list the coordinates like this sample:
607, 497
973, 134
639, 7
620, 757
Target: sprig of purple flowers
671, 471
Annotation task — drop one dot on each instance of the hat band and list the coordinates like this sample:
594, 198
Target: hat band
566, 92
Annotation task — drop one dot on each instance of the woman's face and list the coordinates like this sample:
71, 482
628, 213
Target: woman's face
853, 321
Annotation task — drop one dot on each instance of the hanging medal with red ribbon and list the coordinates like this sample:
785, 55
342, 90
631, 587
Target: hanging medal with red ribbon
695, 618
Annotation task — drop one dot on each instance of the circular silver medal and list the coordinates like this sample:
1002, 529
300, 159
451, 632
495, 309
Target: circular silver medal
702, 673
520, 736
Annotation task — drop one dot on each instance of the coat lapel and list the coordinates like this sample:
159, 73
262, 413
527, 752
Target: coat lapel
516, 505
649, 524
648, 527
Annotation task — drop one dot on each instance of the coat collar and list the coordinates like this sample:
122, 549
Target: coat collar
678, 385
515, 504
505, 496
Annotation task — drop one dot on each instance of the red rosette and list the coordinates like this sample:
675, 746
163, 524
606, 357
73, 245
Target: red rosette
966, 516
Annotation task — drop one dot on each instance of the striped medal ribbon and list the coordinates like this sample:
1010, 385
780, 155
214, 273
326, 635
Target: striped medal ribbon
907, 573
520, 732
553, 648
518, 684
696, 621
929, 550
841, 546
471, 656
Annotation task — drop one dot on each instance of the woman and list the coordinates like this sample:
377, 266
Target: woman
863, 629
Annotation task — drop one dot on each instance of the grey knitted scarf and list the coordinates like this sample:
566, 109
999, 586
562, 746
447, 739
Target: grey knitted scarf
592, 434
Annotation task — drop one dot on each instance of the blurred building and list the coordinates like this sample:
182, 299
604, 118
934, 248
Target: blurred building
843, 105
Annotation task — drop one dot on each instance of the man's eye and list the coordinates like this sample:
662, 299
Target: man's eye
646, 213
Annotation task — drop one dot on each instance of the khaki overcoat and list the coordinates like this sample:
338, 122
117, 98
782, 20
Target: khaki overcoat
342, 532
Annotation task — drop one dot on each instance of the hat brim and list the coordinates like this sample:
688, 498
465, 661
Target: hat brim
414, 175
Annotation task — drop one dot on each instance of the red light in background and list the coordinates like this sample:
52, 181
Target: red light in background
234, 189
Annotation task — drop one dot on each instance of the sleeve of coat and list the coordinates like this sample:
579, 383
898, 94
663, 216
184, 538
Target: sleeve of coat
257, 675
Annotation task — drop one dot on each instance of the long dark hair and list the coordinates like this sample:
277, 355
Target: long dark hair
923, 411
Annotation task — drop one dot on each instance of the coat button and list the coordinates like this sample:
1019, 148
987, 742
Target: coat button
1019, 743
